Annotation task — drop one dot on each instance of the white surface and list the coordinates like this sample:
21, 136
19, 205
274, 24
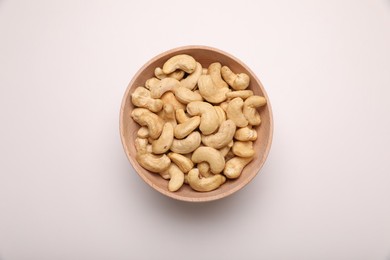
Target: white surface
67, 190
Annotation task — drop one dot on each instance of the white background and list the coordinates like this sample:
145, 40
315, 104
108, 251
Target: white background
67, 190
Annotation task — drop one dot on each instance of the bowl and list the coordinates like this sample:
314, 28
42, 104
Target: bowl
128, 128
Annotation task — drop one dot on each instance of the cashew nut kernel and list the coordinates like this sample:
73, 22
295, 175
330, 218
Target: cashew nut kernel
208, 116
235, 113
186, 145
210, 155
145, 117
182, 61
223, 137
236, 81
204, 184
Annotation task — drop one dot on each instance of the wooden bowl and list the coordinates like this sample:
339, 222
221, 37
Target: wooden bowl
128, 128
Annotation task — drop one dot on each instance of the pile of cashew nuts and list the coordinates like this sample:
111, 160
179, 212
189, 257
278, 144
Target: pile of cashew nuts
197, 124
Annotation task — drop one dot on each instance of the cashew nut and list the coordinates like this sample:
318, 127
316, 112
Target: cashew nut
243, 149
177, 74
184, 129
204, 184
182, 61
181, 116
164, 142
236, 81
234, 112
224, 105
250, 111
149, 148
185, 95
244, 94
215, 73
165, 175
168, 114
234, 166
191, 80
152, 83
221, 114
176, 177
169, 98
208, 116
225, 150
153, 163
186, 145
223, 137
143, 132
210, 155
150, 161
210, 91
185, 164
141, 98
166, 84
204, 71
144, 117
141, 144
204, 169
245, 134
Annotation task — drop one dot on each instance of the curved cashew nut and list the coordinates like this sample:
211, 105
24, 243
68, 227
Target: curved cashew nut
184, 129
143, 132
149, 148
243, 149
144, 117
153, 163
250, 111
191, 80
215, 73
186, 145
166, 84
185, 164
168, 114
208, 116
221, 114
210, 91
223, 137
224, 106
164, 142
234, 166
176, 177
182, 61
236, 81
141, 145
150, 161
181, 116
235, 113
204, 184
204, 71
226, 149
204, 169
244, 94
169, 98
245, 134
152, 83
177, 74
210, 155
185, 95
141, 98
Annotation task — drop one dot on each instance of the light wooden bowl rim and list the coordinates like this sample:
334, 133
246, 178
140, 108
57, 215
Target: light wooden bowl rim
132, 160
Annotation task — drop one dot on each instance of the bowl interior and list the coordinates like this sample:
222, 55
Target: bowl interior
129, 128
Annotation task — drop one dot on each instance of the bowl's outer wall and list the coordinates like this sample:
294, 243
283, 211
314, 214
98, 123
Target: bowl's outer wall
128, 128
